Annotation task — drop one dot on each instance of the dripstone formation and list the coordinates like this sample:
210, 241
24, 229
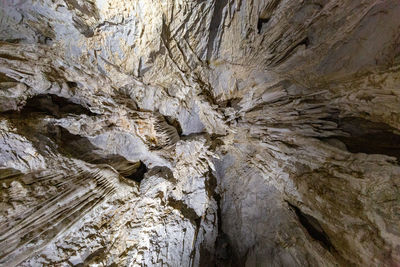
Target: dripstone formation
199, 133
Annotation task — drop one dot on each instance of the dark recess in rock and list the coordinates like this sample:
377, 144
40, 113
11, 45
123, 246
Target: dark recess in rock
223, 254
79, 147
305, 42
163, 172
230, 103
138, 175
72, 145
261, 22
72, 84
45, 40
84, 29
214, 26
313, 228
5, 78
369, 137
11, 57
14, 40
86, 7
185, 210
8, 173
175, 123
53, 105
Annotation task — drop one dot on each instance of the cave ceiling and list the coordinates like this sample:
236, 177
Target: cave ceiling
199, 133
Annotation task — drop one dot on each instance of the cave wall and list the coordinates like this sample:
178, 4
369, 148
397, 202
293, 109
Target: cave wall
199, 133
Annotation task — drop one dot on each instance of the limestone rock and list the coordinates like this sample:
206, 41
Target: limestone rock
199, 133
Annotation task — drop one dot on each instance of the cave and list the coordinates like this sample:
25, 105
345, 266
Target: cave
199, 133
53, 105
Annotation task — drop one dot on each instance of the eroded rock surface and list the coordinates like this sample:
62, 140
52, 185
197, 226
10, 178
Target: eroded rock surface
199, 133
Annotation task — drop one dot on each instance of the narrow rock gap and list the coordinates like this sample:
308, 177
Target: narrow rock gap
11, 57
216, 21
313, 228
223, 254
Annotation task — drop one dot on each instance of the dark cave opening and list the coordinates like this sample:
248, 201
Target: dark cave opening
138, 175
370, 137
54, 105
365, 136
80, 147
261, 22
72, 84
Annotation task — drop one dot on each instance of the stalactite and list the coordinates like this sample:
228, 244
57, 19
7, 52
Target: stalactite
78, 191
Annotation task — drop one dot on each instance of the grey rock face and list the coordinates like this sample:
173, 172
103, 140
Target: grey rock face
199, 133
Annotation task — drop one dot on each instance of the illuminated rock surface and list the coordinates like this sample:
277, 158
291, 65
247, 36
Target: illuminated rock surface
199, 133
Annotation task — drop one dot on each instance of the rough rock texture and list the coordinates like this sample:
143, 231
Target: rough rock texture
199, 133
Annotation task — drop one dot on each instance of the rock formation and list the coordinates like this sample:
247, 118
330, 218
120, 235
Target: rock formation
200, 133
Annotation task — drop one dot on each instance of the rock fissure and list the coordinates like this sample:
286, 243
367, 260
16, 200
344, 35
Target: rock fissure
313, 228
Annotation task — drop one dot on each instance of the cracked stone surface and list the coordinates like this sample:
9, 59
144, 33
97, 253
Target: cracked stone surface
199, 133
